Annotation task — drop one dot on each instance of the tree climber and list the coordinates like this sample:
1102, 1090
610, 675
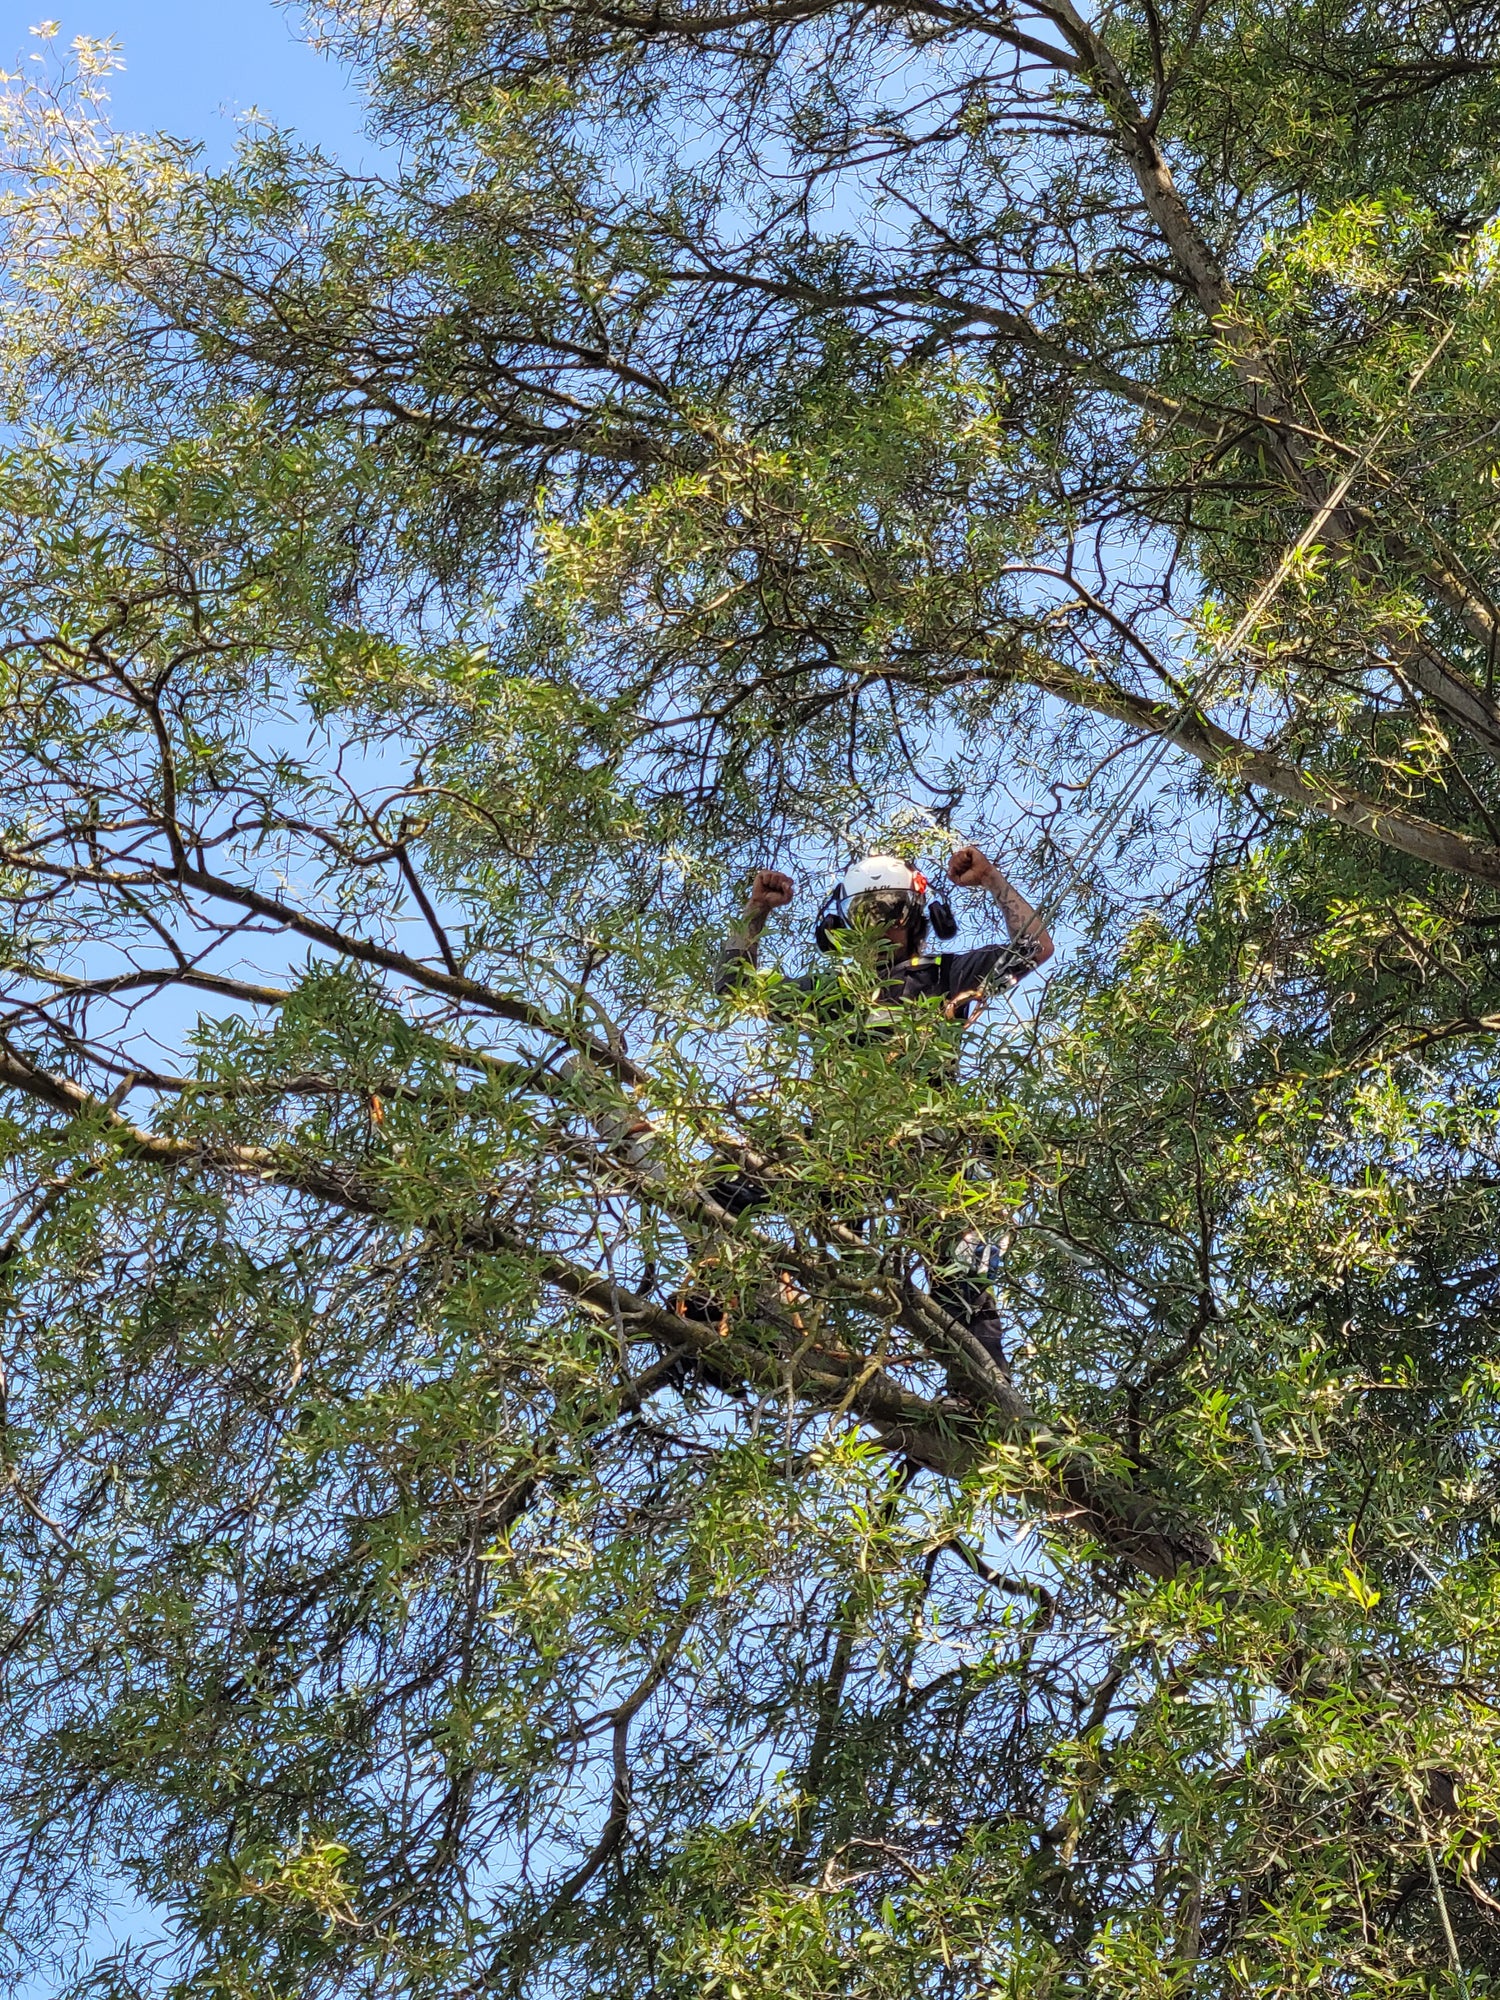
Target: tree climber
886, 896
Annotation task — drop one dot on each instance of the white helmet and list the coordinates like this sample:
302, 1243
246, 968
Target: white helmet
884, 876
882, 871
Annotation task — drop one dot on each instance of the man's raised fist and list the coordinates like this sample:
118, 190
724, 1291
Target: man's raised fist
770, 890
970, 868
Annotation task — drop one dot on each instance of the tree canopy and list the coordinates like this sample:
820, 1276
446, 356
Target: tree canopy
448, 1551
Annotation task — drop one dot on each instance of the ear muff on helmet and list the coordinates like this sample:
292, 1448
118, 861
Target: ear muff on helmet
944, 923
830, 918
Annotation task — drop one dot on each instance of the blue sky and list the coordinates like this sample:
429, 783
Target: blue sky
193, 68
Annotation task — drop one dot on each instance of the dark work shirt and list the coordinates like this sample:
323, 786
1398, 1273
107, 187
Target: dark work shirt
946, 976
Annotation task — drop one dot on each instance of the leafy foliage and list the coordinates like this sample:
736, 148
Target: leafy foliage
454, 1544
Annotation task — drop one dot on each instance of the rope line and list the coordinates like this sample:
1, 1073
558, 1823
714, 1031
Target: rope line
1222, 654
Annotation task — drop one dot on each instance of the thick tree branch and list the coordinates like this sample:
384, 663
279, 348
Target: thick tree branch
1440, 847
946, 1437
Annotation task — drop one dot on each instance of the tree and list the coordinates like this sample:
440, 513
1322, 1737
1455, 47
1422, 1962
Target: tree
449, 1550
